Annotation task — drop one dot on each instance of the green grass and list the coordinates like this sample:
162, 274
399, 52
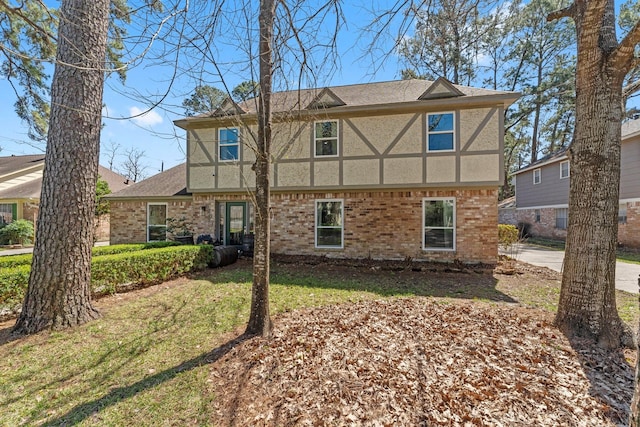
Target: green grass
623, 254
146, 362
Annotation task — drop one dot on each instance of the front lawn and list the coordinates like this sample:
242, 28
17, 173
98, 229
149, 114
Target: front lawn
159, 356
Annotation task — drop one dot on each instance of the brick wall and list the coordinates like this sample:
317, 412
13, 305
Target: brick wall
546, 227
385, 225
629, 233
128, 219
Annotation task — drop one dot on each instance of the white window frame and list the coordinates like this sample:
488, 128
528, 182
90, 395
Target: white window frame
316, 139
568, 169
538, 173
316, 222
166, 207
452, 131
453, 227
220, 144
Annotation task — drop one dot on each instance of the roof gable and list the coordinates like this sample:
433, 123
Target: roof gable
326, 99
441, 88
228, 108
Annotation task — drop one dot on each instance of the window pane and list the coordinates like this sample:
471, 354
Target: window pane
327, 129
438, 238
441, 141
157, 232
327, 147
329, 214
229, 152
329, 237
438, 213
440, 122
228, 136
158, 215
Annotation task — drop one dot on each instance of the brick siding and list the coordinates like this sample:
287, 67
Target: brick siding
546, 227
629, 233
383, 225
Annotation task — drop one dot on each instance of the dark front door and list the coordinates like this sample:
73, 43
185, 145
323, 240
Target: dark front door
236, 222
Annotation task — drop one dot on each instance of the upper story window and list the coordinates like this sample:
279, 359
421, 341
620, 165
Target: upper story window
537, 176
564, 169
326, 138
440, 132
228, 144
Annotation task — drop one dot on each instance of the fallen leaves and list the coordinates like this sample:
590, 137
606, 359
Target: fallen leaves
419, 361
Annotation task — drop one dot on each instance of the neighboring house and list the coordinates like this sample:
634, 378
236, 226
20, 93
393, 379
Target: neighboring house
20, 184
542, 192
403, 169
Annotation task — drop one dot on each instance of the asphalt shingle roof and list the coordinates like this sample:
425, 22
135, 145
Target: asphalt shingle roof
171, 182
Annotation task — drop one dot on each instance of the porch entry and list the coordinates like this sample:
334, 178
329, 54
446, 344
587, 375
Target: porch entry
236, 220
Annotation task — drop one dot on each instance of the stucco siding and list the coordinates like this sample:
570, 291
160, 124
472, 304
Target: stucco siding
550, 191
478, 129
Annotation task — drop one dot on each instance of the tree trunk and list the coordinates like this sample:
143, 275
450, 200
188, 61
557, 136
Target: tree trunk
587, 304
59, 293
259, 318
634, 413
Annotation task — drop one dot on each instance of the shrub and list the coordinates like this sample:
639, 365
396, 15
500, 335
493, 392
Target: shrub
13, 285
17, 232
112, 272
507, 235
10, 261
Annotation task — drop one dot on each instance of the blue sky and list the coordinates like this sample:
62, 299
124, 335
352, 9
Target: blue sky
154, 132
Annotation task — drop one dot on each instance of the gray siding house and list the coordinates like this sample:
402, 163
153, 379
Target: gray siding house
542, 192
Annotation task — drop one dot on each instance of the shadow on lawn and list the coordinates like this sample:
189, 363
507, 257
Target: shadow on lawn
611, 377
388, 278
86, 410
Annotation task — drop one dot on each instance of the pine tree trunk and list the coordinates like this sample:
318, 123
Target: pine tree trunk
259, 318
59, 293
587, 304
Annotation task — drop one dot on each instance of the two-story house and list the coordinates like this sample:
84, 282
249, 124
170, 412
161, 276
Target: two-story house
401, 169
542, 192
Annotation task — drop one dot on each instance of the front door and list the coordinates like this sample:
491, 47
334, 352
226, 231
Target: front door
236, 222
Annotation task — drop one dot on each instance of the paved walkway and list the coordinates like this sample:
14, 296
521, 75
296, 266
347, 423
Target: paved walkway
28, 250
626, 273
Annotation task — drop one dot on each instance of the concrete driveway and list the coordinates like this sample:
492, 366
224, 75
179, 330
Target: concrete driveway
626, 273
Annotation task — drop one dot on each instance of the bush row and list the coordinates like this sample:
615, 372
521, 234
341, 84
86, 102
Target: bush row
110, 273
9, 261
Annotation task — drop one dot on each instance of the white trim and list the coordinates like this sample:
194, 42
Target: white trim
568, 169
452, 131
539, 170
543, 207
220, 159
337, 138
541, 164
315, 224
635, 200
454, 227
166, 213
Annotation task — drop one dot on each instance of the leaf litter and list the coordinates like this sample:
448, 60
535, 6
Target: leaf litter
419, 362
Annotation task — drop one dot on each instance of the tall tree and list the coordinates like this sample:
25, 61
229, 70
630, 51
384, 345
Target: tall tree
59, 293
259, 317
446, 39
587, 304
204, 99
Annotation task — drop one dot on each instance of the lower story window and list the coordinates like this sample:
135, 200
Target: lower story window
439, 216
156, 222
562, 218
8, 212
329, 224
537, 215
622, 213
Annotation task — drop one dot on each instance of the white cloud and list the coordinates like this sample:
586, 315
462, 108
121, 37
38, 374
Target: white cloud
149, 118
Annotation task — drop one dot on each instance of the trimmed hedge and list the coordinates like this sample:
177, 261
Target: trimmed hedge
110, 273
9, 261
